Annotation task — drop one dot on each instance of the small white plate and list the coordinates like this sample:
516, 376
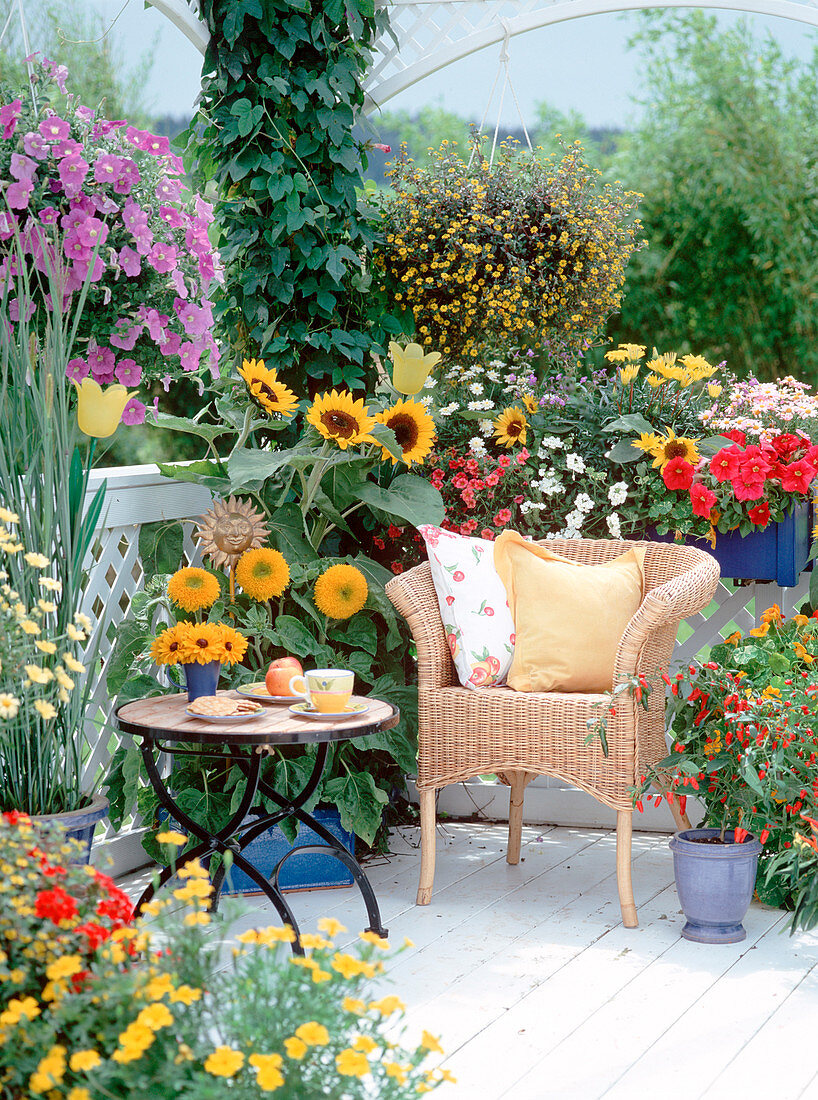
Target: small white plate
225, 719
260, 694
305, 710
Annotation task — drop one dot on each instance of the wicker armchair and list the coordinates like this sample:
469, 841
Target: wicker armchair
519, 735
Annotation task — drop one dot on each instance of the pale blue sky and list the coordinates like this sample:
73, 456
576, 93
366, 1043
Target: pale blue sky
580, 65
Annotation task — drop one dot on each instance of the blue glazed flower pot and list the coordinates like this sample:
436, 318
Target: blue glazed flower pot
715, 883
202, 679
80, 824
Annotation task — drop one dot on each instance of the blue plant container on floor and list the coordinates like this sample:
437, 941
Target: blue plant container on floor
777, 553
80, 825
715, 883
307, 872
201, 679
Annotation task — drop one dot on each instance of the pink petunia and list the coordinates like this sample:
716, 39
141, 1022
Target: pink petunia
156, 145
196, 320
75, 248
129, 261
143, 239
100, 358
107, 168
72, 172
170, 344
171, 216
125, 339
18, 194
54, 128
162, 257
168, 189
49, 215
179, 285
133, 413
128, 176
9, 114
92, 232
77, 369
128, 372
67, 148
14, 309
35, 145
190, 356
156, 324
58, 73
8, 223
104, 204
85, 113
22, 168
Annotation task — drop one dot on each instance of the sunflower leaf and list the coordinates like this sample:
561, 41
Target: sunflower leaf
408, 498
387, 439
633, 422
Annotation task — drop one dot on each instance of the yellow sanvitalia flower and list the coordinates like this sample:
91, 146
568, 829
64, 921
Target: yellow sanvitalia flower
341, 591
269, 1077
224, 1062
411, 367
263, 573
510, 427
155, 1016
672, 446
337, 416
313, 1034
272, 395
351, 1063
192, 588
414, 430
99, 412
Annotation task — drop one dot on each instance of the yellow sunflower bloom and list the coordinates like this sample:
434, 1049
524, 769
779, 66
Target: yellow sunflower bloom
648, 442
234, 645
339, 417
510, 427
263, 574
201, 643
413, 427
272, 395
166, 648
530, 403
672, 446
340, 591
192, 589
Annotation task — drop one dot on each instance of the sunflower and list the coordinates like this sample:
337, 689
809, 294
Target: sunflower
649, 442
510, 427
531, 405
233, 645
201, 643
413, 427
167, 647
192, 589
340, 591
272, 395
339, 417
672, 446
262, 573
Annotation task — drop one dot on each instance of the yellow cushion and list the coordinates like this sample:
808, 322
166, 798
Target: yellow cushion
568, 617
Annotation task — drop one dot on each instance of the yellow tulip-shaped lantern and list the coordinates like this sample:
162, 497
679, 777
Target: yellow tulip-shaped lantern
100, 411
411, 367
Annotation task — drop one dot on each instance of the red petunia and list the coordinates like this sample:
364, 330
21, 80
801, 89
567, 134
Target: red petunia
747, 487
760, 515
787, 444
797, 477
754, 466
724, 465
678, 474
55, 905
702, 499
736, 436
486, 534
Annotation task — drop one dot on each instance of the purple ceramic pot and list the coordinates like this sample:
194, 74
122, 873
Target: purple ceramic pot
715, 883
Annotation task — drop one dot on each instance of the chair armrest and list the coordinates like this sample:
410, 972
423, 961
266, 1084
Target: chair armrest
413, 594
665, 605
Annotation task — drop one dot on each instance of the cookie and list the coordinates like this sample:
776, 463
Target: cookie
213, 705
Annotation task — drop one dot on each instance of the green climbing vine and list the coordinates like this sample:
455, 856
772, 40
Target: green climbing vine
282, 88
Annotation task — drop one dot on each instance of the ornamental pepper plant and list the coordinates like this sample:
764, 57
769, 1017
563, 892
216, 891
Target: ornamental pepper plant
745, 742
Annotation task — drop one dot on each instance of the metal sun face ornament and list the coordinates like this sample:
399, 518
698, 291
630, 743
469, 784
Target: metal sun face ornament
228, 529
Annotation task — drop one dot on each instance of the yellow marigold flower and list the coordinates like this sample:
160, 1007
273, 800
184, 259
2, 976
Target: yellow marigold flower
83, 1060
155, 1016
272, 395
374, 938
170, 836
387, 1005
352, 1004
313, 1034
396, 1070
45, 647
510, 427
296, 1048
185, 994
319, 975
46, 710
37, 561
331, 926
9, 705
64, 967
197, 918
19, 1008
192, 589
414, 430
200, 643
340, 418
192, 868
263, 573
269, 1076
429, 1042
341, 591
224, 1062
351, 1063
347, 965
311, 940
800, 620
79, 1093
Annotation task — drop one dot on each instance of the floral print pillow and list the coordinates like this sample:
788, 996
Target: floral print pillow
473, 606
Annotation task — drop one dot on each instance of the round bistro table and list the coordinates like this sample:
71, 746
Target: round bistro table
161, 725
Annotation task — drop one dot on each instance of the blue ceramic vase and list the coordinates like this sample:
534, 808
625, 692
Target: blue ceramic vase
201, 679
715, 883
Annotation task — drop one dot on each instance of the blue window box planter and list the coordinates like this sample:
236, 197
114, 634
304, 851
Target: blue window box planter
307, 872
777, 553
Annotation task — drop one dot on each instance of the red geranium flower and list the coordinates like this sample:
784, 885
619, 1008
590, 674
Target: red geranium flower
55, 905
797, 477
678, 474
724, 465
760, 515
702, 499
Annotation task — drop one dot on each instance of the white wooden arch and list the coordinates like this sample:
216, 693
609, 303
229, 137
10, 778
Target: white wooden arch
427, 35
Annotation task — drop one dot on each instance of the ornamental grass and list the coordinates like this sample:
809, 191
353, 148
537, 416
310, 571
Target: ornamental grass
91, 1009
530, 252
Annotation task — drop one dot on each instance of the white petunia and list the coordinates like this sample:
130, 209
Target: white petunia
551, 443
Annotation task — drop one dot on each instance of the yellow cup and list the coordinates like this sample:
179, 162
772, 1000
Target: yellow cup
327, 690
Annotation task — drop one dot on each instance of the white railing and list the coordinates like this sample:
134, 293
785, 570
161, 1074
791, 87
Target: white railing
139, 494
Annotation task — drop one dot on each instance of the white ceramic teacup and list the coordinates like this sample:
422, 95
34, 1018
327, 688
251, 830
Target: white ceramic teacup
326, 689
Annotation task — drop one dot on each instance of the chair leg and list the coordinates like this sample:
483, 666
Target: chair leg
680, 818
517, 784
624, 829
427, 846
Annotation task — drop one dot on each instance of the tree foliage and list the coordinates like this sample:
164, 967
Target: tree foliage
726, 158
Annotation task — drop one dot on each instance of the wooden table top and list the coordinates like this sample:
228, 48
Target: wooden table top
163, 717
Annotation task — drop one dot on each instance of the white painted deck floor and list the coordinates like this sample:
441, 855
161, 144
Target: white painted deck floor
538, 992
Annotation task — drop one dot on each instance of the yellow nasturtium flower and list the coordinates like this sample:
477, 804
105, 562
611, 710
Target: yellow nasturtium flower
411, 367
100, 411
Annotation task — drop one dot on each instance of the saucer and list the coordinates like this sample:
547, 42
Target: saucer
260, 694
305, 710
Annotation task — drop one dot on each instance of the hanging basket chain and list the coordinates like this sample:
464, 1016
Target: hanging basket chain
503, 69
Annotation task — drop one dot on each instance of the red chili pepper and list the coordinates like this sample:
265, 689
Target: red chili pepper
639, 806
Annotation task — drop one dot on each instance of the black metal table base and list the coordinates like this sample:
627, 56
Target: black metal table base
237, 833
